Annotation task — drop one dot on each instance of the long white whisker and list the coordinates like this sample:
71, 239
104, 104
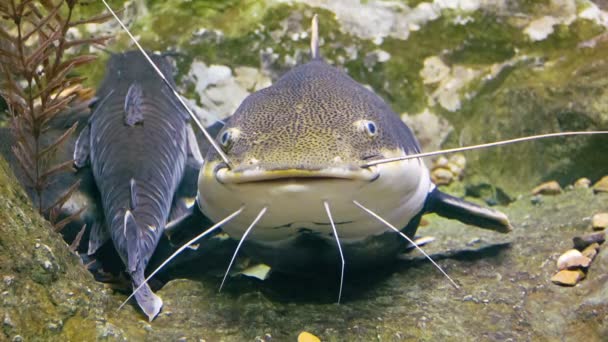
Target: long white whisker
257, 218
369, 211
179, 98
474, 147
333, 226
179, 250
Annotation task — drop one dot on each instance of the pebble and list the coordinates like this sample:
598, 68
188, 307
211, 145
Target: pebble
601, 185
440, 162
599, 221
582, 183
441, 176
308, 337
572, 259
568, 277
458, 160
548, 188
591, 250
581, 242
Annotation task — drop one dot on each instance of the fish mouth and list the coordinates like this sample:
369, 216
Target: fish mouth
225, 175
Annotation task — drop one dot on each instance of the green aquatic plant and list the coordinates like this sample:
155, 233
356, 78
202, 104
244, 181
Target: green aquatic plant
37, 63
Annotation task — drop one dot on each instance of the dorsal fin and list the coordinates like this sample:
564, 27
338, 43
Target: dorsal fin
133, 105
314, 38
133, 203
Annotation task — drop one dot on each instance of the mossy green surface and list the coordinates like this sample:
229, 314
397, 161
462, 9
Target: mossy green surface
549, 85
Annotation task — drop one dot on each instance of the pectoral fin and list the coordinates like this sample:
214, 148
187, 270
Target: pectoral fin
467, 212
82, 148
194, 151
98, 236
132, 237
188, 226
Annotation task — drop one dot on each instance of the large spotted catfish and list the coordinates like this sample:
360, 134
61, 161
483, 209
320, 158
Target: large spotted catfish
137, 141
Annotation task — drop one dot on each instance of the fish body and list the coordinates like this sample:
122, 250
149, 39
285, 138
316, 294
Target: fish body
303, 142
136, 142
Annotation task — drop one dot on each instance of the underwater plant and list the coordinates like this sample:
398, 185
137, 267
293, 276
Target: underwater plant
38, 56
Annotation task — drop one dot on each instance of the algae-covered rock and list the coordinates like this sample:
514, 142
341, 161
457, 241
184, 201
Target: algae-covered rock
460, 72
506, 291
46, 292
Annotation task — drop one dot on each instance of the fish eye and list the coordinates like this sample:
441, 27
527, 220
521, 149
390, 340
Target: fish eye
368, 127
228, 137
225, 138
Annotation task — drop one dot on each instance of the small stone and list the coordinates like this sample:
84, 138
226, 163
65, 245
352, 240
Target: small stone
568, 277
581, 242
572, 259
582, 183
591, 250
459, 160
599, 221
455, 169
8, 280
440, 162
548, 188
601, 185
17, 338
468, 298
536, 200
8, 322
308, 337
441, 176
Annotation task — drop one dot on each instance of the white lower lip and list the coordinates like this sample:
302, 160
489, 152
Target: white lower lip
227, 176
397, 195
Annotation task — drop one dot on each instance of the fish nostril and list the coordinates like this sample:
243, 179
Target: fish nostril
371, 156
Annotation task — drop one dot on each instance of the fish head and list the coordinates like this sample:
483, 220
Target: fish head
305, 141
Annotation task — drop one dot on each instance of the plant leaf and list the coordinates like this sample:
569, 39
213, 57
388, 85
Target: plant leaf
67, 165
61, 224
59, 202
59, 141
74, 245
43, 21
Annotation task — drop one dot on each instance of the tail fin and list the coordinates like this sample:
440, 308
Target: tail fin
467, 212
146, 299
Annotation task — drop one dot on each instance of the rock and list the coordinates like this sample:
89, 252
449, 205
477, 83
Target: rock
599, 221
591, 250
568, 277
582, 183
572, 259
601, 185
308, 337
548, 188
581, 242
459, 160
441, 176
440, 162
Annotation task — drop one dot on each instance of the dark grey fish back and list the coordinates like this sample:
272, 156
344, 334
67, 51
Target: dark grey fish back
151, 152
